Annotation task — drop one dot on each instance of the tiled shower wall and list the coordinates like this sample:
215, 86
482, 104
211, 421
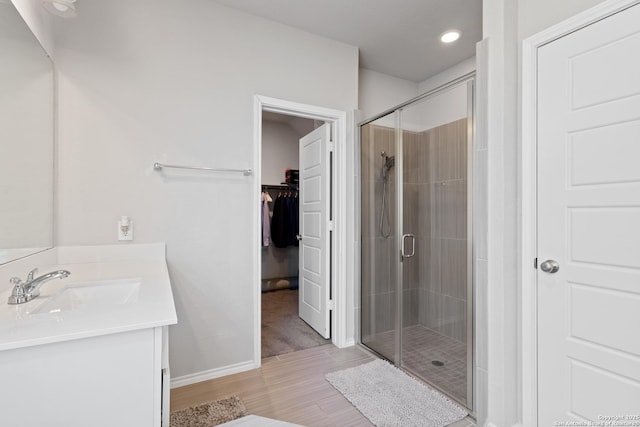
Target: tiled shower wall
378, 253
435, 211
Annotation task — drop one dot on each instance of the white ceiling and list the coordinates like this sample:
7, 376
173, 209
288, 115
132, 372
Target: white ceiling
395, 37
300, 125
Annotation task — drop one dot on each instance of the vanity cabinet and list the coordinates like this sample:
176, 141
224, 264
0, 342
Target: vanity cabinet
92, 349
118, 379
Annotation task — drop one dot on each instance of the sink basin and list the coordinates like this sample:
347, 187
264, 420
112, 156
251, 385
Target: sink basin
92, 295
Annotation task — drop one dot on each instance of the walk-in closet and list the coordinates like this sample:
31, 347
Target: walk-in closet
282, 329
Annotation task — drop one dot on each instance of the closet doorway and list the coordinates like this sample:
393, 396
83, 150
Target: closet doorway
295, 189
338, 297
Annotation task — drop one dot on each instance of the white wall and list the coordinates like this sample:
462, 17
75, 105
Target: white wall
499, 24
438, 110
536, 15
150, 81
279, 151
450, 74
444, 108
39, 20
379, 92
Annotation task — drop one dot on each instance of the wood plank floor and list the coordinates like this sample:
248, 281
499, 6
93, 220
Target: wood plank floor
290, 387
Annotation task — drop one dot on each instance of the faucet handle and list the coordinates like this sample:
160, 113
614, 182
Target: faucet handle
18, 281
31, 273
18, 293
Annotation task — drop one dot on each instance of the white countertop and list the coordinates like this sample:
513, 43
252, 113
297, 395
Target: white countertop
23, 326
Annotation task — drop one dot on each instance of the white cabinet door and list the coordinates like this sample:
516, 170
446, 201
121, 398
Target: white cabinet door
314, 253
103, 381
589, 222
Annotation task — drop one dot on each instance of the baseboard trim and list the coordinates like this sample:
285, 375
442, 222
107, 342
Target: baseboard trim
212, 373
349, 343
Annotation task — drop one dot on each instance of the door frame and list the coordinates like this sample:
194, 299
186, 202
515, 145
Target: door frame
339, 241
528, 188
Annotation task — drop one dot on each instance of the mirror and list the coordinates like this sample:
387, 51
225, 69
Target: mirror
26, 140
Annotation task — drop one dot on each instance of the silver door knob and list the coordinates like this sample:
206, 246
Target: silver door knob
550, 266
298, 236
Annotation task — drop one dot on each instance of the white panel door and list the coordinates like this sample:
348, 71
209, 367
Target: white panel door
589, 222
315, 193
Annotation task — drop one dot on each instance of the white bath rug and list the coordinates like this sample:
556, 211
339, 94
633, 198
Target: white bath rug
389, 397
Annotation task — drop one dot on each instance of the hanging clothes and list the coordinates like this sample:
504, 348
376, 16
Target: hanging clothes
280, 223
296, 221
266, 219
291, 237
284, 221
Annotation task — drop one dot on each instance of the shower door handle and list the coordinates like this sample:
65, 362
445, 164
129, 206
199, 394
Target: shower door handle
404, 244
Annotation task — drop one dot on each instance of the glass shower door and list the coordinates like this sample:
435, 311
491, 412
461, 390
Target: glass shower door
379, 312
436, 280
416, 229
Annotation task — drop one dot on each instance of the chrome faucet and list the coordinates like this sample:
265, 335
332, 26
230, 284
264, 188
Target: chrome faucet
30, 289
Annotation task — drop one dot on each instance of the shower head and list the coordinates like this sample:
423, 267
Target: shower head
389, 162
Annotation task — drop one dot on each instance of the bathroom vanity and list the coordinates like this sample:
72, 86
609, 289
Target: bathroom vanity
92, 348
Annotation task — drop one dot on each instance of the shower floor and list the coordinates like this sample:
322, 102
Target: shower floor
421, 347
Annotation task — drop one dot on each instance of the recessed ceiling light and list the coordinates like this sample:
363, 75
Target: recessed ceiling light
450, 36
63, 8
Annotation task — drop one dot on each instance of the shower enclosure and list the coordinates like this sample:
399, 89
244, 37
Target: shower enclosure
416, 292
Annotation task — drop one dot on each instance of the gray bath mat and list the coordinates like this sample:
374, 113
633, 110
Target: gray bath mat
389, 397
209, 413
